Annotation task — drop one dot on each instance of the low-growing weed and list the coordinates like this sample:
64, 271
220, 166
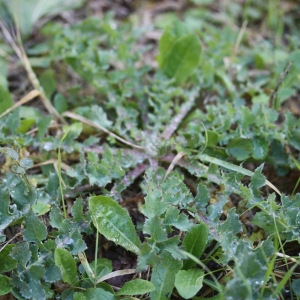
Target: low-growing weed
157, 171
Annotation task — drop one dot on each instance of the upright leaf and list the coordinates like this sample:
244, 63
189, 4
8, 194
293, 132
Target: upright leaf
48, 82
195, 241
8, 213
30, 11
189, 282
163, 276
5, 285
296, 287
114, 223
7, 262
65, 261
257, 180
154, 228
179, 52
5, 100
170, 35
227, 232
42, 125
202, 196
260, 148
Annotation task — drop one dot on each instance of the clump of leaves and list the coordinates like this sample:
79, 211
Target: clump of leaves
210, 224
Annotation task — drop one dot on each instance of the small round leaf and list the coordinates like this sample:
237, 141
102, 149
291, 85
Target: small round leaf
260, 148
26, 163
12, 154
240, 148
18, 170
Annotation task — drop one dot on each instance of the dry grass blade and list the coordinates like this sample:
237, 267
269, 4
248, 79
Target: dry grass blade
7, 242
86, 265
19, 49
55, 165
10, 39
174, 162
31, 95
90, 123
273, 187
239, 38
116, 273
52, 161
286, 256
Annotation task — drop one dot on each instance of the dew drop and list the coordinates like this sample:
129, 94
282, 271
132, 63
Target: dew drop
48, 146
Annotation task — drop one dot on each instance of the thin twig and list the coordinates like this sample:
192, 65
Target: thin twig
88, 122
281, 78
195, 166
6, 243
10, 39
20, 51
31, 95
52, 161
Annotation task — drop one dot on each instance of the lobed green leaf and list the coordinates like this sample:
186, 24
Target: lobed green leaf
35, 230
